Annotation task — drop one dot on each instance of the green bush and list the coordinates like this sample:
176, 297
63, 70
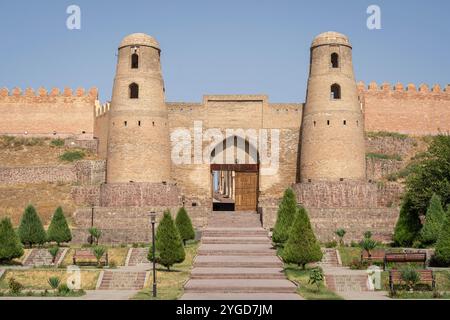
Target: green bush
54, 253
302, 246
384, 156
15, 287
285, 217
410, 276
168, 242
381, 134
433, 221
54, 282
408, 225
71, 156
57, 142
368, 244
316, 277
442, 252
59, 231
95, 234
31, 231
330, 244
98, 252
64, 290
10, 247
341, 234
184, 225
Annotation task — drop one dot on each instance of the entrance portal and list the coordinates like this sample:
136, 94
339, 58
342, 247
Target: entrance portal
235, 187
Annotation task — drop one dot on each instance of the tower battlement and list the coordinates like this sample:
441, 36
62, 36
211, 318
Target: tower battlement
42, 95
409, 90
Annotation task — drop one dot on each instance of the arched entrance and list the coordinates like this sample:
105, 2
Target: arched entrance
235, 175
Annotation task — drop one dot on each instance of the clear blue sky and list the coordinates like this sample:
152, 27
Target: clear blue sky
221, 47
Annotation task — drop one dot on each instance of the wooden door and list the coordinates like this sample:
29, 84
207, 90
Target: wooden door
246, 188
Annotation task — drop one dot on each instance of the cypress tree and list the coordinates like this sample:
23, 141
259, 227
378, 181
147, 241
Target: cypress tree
285, 217
59, 231
10, 246
184, 225
434, 219
302, 246
168, 242
408, 225
31, 231
442, 253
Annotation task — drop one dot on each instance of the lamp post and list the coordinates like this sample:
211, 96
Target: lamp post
153, 220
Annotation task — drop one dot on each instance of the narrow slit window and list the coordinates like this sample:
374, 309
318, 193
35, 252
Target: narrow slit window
134, 91
345, 122
328, 122
134, 61
125, 123
314, 123
139, 123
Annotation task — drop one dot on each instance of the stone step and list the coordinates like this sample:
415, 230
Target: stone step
122, 280
236, 240
346, 283
138, 256
42, 257
237, 273
238, 261
234, 232
254, 296
239, 286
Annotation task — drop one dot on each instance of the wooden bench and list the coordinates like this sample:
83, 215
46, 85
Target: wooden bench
426, 277
405, 257
376, 255
87, 258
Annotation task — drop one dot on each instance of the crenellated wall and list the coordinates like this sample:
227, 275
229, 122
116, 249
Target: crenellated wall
101, 128
405, 109
42, 113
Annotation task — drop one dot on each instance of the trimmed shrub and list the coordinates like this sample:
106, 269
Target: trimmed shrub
341, 234
15, 287
95, 234
442, 253
410, 276
168, 242
408, 225
10, 247
71, 156
57, 142
184, 225
59, 231
285, 217
433, 221
54, 282
54, 253
98, 252
302, 246
31, 231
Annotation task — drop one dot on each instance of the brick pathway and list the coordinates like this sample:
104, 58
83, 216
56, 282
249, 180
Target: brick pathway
236, 261
138, 256
41, 257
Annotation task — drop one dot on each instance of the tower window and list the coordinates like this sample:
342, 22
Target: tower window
314, 123
134, 61
139, 123
345, 122
334, 60
335, 92
328, 122
125, 123
134, 91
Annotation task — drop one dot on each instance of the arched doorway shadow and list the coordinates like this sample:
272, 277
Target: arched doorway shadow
235, 175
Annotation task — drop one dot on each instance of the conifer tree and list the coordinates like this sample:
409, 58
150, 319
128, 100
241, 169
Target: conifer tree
434, 220
184, 225
31, 231
285, 217
59, 230
408, 225
168, 242
10, 246
302, 246
442, 252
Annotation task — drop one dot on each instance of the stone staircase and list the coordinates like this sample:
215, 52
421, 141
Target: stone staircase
347, 282
330, 258
41, 257
137, 256
234, 248
122, 280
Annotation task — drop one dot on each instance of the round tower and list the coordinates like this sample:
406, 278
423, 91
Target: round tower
333, 145
138, 139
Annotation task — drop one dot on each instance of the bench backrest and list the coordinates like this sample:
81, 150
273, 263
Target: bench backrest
85, 254
377, 254
406, 257
425, 275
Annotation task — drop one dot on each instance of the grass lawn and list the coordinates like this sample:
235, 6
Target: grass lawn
442, 280
348, 254
117, 254
37, 279
420, 295
308, 291
170, 283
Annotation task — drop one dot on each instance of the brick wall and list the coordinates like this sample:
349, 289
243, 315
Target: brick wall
379, 168
42, 113
406, 110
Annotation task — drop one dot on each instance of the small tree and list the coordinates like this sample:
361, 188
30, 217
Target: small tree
54, 253
184, 225
98, 252
442, 252
302, 246
31, 231
168, 242
434, 220
54, 282
341, 234
411, 277
368, 244
59, 231
10, 246
285, 217
95, 234
316, 277
408, 225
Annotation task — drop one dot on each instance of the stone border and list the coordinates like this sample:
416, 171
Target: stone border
127, 260
99, 280
338, 257
61, 258
27, 256
147, 279
2, 272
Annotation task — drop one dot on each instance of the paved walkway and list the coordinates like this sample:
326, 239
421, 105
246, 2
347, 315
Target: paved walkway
90, 295
236, 261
